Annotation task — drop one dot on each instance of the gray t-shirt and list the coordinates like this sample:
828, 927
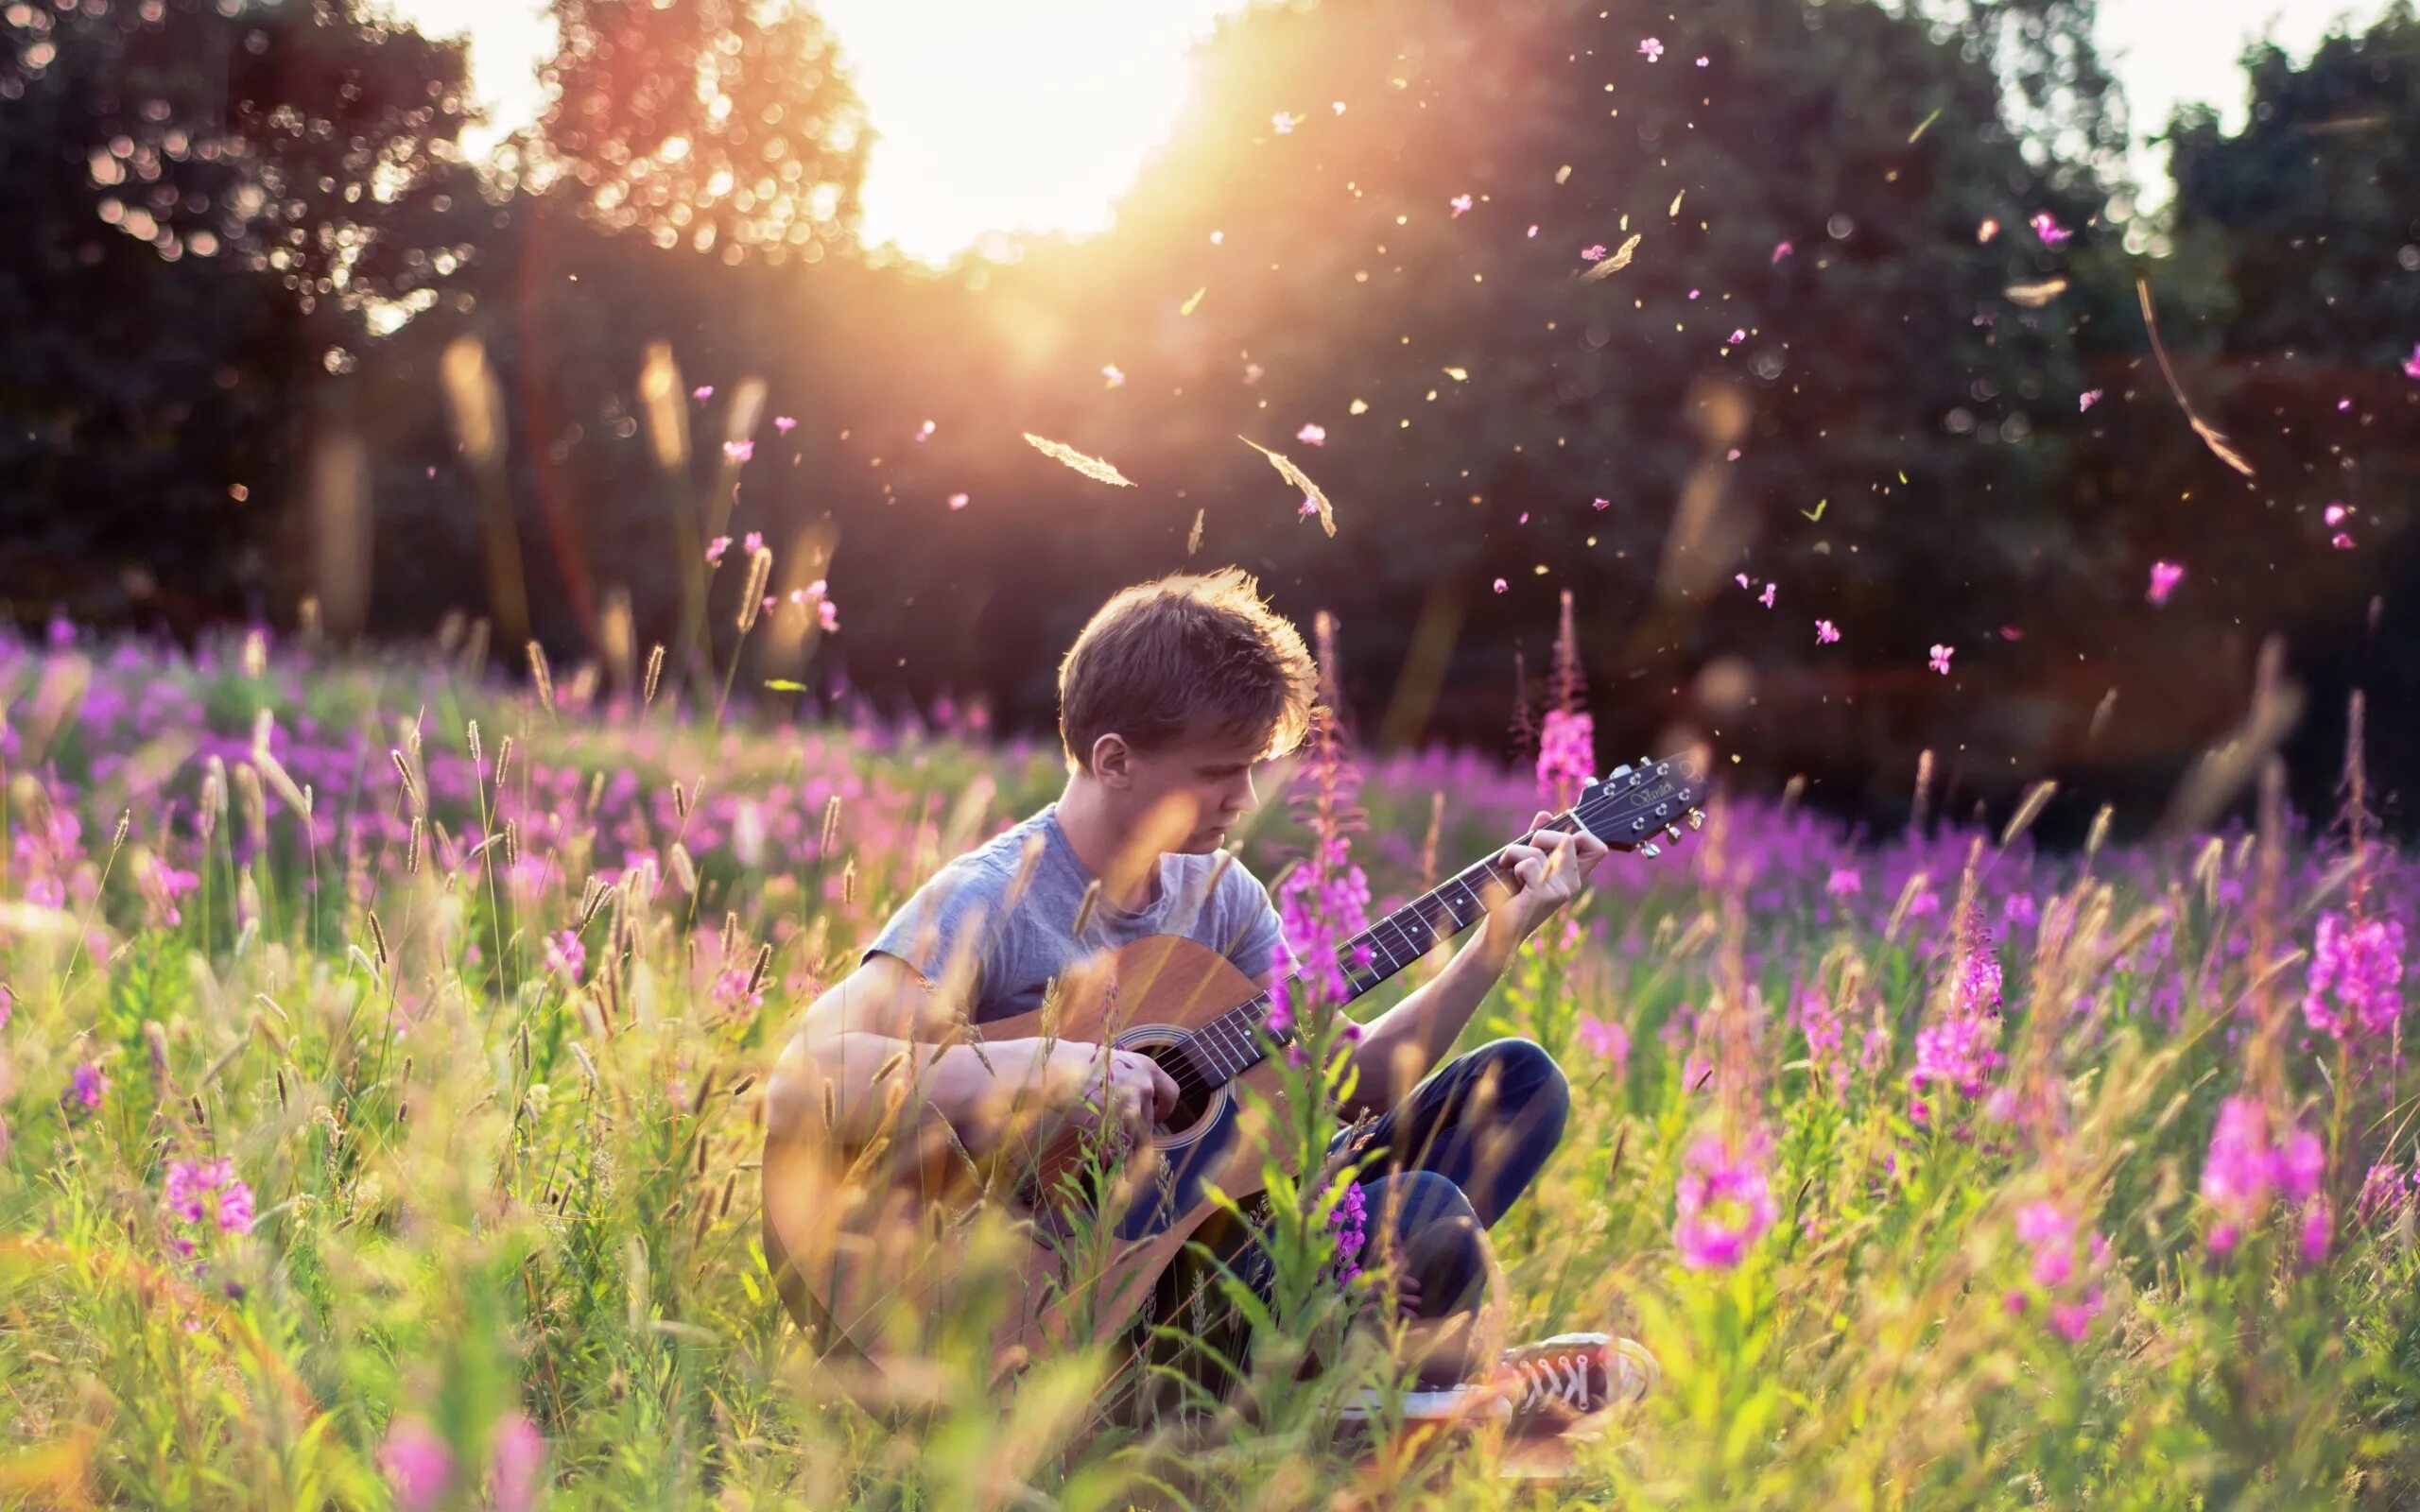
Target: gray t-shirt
1020, 943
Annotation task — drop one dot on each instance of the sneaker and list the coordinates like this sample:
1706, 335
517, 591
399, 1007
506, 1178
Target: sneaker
1536, 1387
1571, 1375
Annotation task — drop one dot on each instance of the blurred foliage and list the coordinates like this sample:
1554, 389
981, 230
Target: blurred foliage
1915, 458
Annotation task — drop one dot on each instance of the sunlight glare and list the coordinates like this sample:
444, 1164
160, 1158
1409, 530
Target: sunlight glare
1028, 117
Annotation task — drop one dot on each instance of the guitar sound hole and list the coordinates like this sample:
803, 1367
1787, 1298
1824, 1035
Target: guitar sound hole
1195, 1101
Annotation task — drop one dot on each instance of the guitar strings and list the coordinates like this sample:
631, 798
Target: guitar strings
1183, 1074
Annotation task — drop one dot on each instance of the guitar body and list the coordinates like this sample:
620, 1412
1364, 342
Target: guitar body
862, 1242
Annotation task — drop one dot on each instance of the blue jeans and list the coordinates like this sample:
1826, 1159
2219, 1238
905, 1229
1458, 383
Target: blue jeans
1436, 1169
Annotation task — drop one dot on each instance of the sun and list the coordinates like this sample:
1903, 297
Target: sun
1026, 116
989, 115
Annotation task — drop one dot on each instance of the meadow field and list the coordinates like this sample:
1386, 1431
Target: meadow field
383, 1045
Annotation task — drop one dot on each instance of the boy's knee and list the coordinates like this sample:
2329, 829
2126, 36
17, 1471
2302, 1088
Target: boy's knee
1528, 1081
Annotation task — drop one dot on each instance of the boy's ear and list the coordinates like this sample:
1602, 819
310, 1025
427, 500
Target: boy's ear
1113, 761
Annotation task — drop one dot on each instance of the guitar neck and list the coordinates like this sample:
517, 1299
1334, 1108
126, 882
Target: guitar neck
1239, 1038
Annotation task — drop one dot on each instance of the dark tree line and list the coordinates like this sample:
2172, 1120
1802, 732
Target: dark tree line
1940, 423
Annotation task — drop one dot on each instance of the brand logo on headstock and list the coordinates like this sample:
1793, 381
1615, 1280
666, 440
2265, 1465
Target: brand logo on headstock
1661, 790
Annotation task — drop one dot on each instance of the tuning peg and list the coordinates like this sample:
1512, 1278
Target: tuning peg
1697, 818
1672, 833
1623, 770
1651, 850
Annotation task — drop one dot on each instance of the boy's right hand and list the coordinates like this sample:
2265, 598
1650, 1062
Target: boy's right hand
1130, 1089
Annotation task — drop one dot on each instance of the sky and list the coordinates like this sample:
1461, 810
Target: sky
1036, 114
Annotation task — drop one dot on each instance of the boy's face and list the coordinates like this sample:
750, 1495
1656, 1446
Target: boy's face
1183, 797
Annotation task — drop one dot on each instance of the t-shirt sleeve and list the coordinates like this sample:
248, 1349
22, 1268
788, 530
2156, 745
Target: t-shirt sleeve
1259, 933
956, 911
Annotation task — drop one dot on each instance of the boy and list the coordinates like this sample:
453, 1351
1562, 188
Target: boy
1168, 697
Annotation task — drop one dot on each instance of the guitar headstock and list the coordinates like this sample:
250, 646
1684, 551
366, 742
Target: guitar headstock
1634, 805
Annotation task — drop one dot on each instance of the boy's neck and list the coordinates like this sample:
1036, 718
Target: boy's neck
1128, 868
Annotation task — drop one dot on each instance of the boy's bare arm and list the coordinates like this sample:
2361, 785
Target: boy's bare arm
883, 1015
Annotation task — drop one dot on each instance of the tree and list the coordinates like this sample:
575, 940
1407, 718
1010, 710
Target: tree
717, 123
184, 179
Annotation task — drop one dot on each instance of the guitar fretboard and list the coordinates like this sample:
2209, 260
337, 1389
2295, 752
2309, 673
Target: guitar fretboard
1237, 1039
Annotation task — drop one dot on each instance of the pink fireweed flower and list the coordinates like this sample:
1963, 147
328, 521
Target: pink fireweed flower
1312, 435
1845, 882
1941, 655
1593, 252
827, 616
702, 391
1766, 598
1500, 585
1820, 1024
1960, 1048
1827, 632
2335, 512
2046, 227
2317, 1223
2412, 362
738, 451
1566, 752
418, 1466
1600, 503
162, 884
1459, 203
2341, 541
88, 1084
518, 1474
1738, 335
715, 549
1348, 1218
1723, 1203
1781, 249
2164, 576
1610, 1040
1283, 122
784, 424
1111, 372
566, 954
2243, 1173
2073, 1320
958, 501
2382, 1192
2042, 1227
2086, 400
2356, 981
752, 542
1650, 48
209, 1193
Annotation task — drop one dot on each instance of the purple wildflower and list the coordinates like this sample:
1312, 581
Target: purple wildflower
2243, 1172
2356, 982
1723, 1203
2074, 1319
1349, 1218
208, 1193
89, 1084
519, 1470
2051, 1235
566, 954
1820, 1024
418, 1466
1610, 1040
1567, 752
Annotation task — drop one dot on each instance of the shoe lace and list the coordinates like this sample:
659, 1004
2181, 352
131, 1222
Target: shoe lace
1561, 1377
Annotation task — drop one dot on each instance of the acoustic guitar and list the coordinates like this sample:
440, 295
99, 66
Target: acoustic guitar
868, 1241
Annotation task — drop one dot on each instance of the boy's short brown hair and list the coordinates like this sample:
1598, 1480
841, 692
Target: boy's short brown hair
1186, 656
